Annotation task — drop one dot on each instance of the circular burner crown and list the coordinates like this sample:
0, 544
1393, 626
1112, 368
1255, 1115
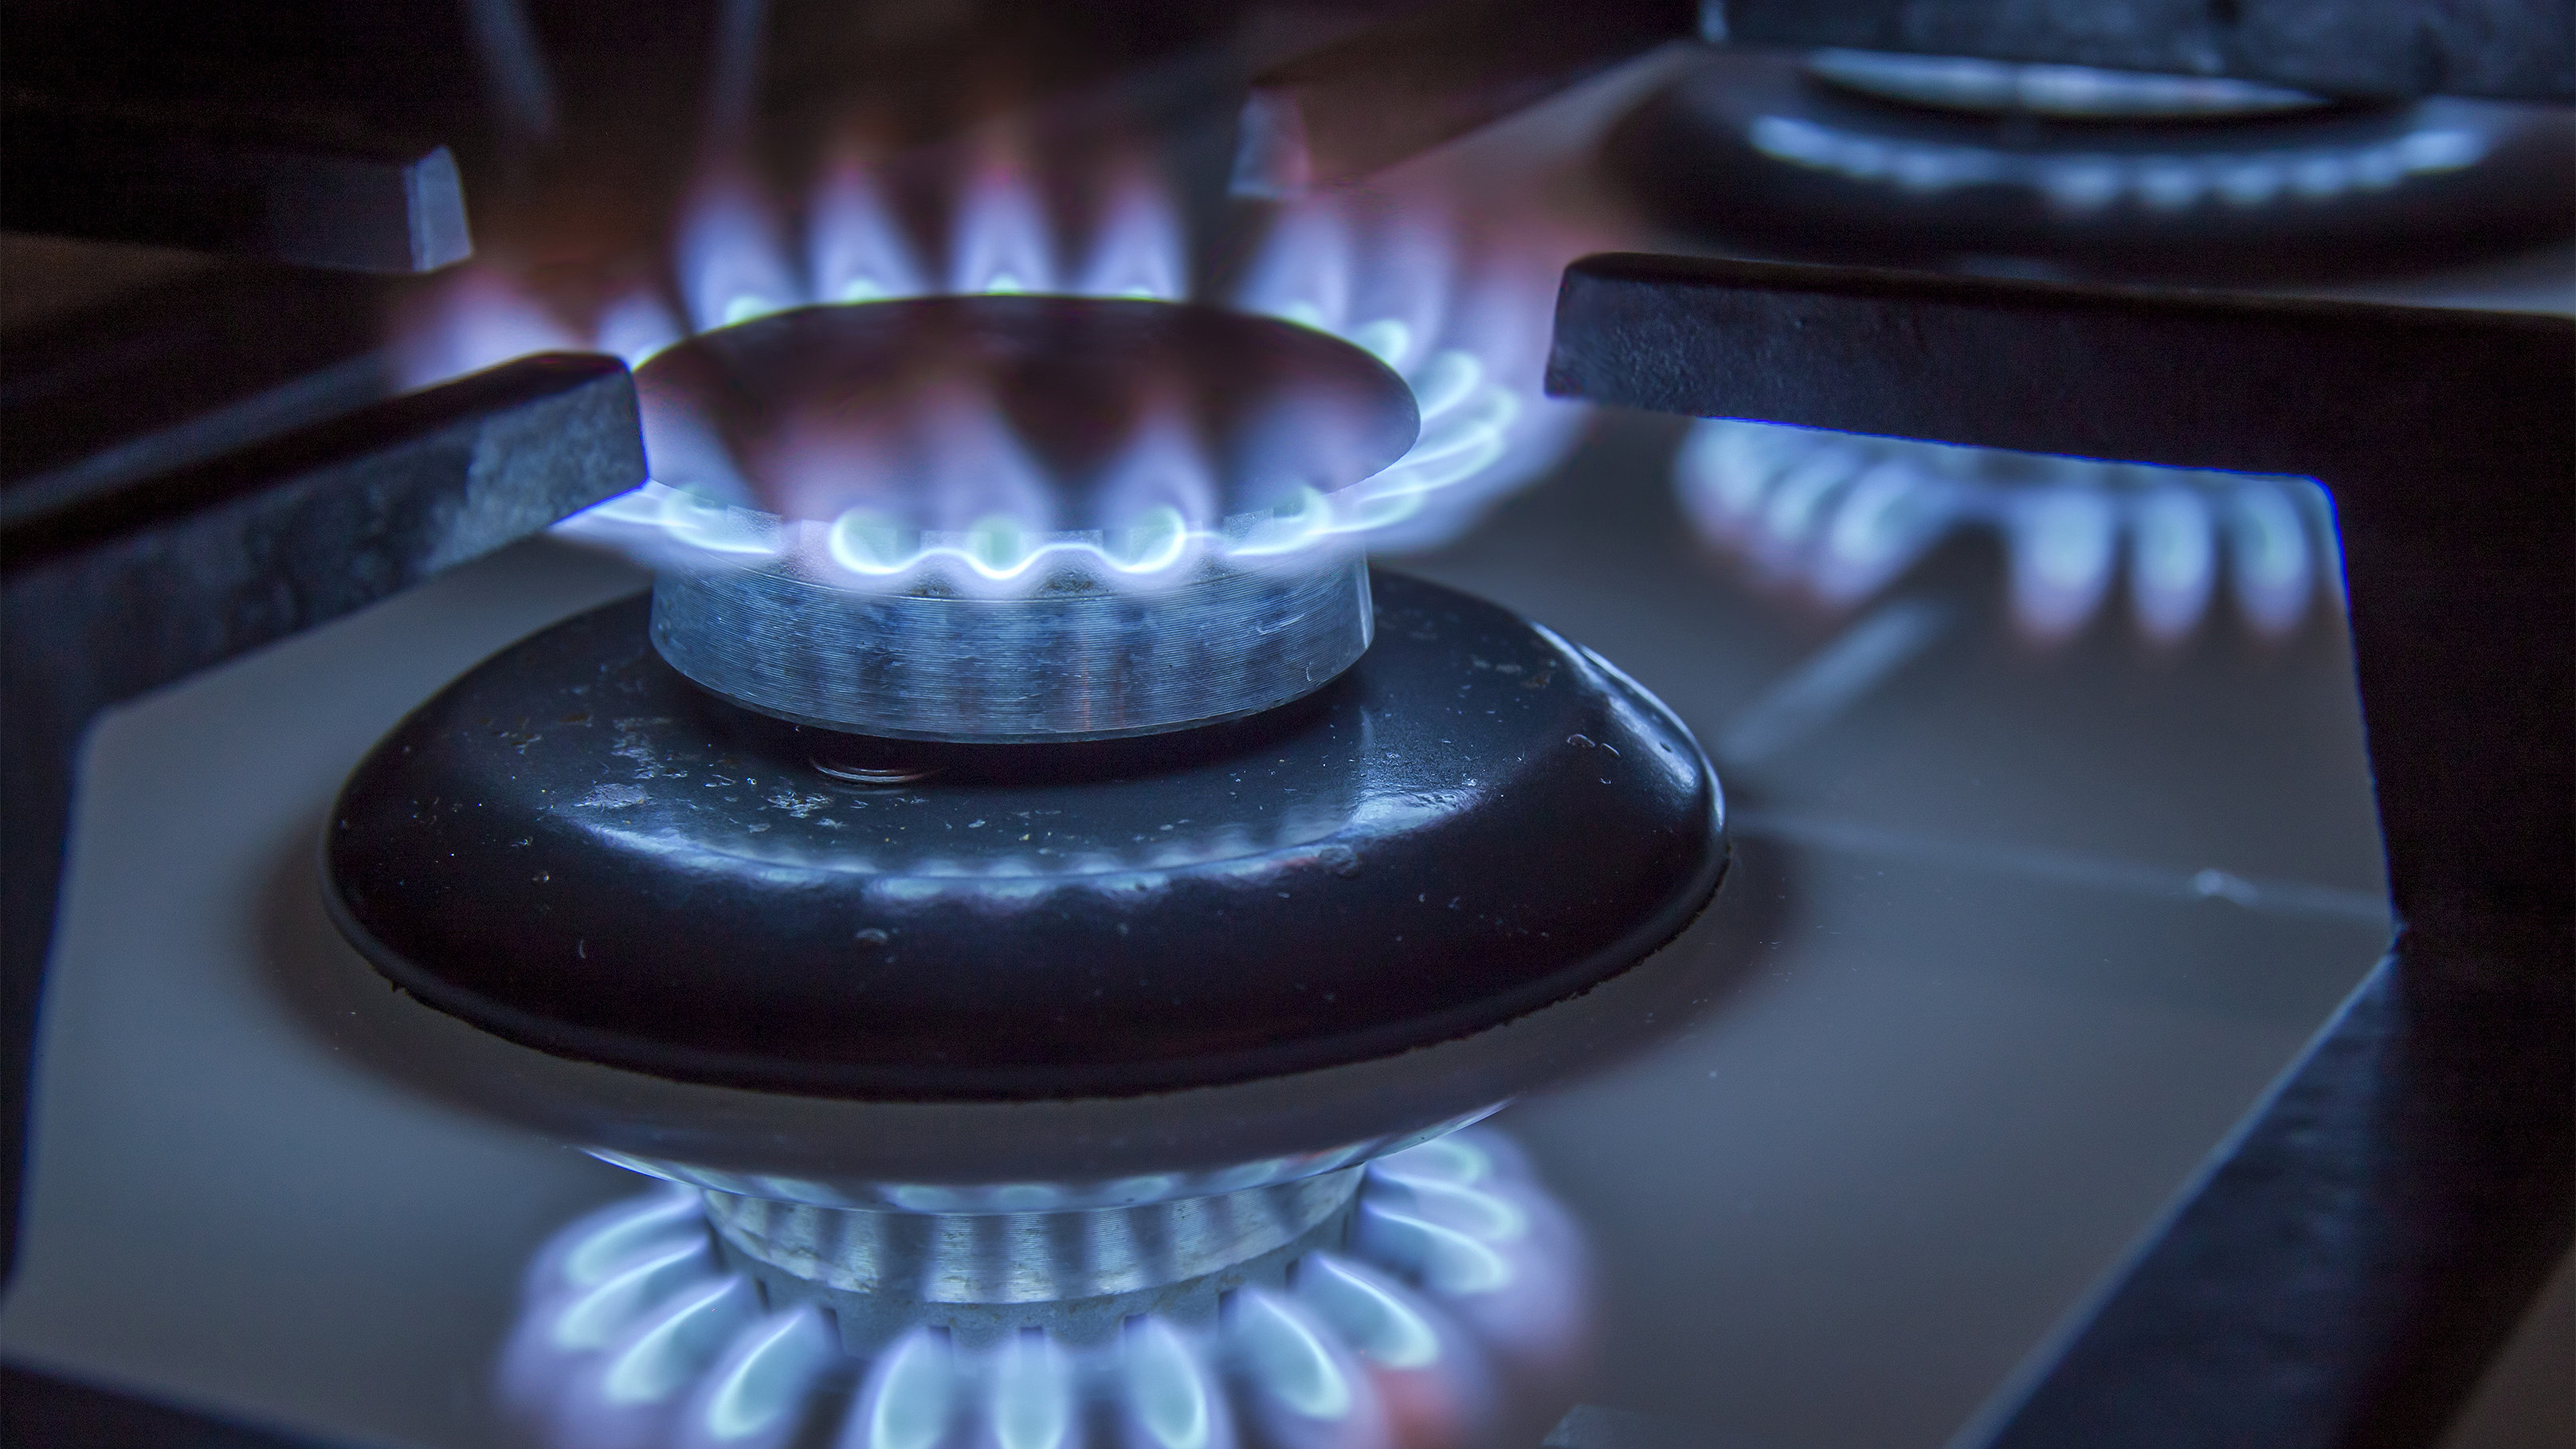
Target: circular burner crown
1002, 519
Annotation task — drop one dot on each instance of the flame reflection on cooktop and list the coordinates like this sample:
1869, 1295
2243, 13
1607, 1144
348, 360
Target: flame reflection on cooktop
1461, 1285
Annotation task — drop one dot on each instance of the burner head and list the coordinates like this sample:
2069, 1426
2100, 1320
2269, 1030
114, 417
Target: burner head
1083, 662
1000, 518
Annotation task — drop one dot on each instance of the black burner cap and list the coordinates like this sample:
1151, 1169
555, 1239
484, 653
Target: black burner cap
574, 848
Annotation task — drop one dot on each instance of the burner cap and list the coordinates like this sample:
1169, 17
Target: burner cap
1002, 518
573, 849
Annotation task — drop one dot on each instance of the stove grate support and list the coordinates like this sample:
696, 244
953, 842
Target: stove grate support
2367, 1239
114, 592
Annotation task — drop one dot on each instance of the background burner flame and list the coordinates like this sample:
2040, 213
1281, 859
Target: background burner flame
1461, 312
2080, 182
1841, 517
1008, 441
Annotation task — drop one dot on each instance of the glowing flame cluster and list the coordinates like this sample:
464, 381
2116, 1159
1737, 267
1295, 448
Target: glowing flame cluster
1462, 313
1463, 1278
1843, 516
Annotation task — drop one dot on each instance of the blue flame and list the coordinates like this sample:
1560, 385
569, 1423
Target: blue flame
1843, 517
1032, 1394
1466, 326
1290, 1357
633, 1335
1169, 1399
758, 1394
678, 1344
909, 1396
2086, 182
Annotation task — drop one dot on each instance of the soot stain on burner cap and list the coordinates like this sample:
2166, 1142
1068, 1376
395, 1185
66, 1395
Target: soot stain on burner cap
1100, 919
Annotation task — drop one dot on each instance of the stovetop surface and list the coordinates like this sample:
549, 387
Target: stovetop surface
1983, 1011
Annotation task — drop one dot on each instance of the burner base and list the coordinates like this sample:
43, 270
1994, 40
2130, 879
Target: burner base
985, 1277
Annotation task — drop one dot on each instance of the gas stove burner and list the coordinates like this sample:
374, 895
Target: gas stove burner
1842, 517
1451, 1279
2063, 92
1453, 296
1006, 518
1910, 159
1034, 1037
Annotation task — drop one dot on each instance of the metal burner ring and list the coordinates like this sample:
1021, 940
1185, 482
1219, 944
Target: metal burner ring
1092, 663
983, 1276
1016, 519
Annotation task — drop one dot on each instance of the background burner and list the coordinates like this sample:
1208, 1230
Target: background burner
1904, 161
1014, 518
